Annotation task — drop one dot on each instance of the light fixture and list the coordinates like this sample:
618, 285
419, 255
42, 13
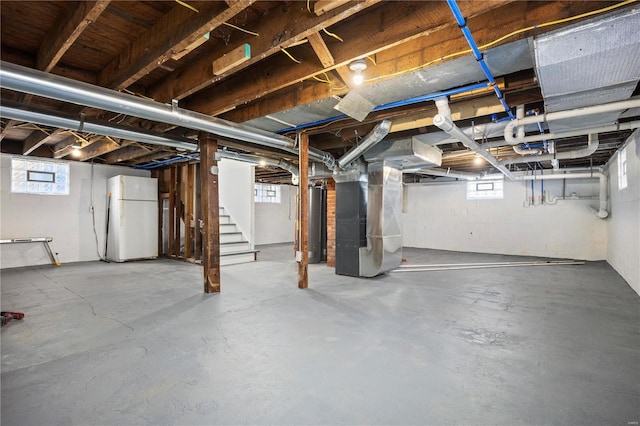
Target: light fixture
262, 163
76, 152
357, 67
478, 160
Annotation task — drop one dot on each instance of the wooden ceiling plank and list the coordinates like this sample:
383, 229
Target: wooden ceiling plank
129, 153
170, 35
288, 24
70, 24
381, 28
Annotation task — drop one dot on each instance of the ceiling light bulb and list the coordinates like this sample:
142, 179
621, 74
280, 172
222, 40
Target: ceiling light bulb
357, 67
76, 152
478, 160
262, 163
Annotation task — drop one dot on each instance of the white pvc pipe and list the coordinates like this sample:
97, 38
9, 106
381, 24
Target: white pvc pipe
449, 173
591, 147
511, 140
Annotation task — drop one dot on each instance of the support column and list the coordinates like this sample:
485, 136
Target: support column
210, 213
303, 190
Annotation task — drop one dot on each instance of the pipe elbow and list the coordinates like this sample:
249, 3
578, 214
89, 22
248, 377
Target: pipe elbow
508, 133
603, 214
443, 122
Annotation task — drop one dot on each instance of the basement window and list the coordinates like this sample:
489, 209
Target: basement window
622, 169
485, 190
265, 193
39, 177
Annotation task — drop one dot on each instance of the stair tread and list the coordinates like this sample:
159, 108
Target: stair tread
234, 242
239, 252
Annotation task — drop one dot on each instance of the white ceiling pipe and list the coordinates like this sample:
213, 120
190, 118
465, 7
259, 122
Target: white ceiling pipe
514, 135
516, 148
376, 135
27, 80
449, 173
443, 121
121, 132
591, 147
629, 125
602, 212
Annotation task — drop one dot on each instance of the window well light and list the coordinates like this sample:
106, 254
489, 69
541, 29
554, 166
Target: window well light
357, 67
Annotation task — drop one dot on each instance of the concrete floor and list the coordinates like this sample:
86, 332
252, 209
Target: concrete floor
139, 343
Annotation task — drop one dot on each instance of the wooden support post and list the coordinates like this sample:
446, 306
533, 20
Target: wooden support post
197, 212
210, 213
179, 211
303, 190
172, 210
188, 211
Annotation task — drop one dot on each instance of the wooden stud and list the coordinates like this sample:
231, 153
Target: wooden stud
324, 6
188, 214
210, 213
303, 189
172, 209
179, 212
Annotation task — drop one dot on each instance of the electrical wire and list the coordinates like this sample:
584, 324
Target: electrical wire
241, 29
93, 218
336, 36
290, 56
188, 6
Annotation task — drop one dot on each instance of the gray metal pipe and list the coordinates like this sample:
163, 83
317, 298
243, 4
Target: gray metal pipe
376, 135
449, 173
10, 111
254, 159
27, 80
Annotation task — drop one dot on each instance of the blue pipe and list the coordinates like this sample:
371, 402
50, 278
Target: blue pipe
389, 105
167, 161
462, 23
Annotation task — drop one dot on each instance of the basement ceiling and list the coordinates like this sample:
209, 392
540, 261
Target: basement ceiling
297, 71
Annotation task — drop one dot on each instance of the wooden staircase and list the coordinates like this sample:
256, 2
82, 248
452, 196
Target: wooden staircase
234, 248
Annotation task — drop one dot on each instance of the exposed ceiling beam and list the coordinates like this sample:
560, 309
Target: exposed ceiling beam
375, 30
35, 140
100, 147
170, 35
414, 53
128, 153
292, 16
69, 25
322, 51
153, 156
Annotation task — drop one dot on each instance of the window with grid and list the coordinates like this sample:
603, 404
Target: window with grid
30, 176
485, 190
265, 193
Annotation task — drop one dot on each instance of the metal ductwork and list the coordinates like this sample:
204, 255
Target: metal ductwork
376, 135
12, 111
27, 80
263, 161
406, 153
383, 251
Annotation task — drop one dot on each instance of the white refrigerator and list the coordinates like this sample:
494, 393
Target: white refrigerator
133, 218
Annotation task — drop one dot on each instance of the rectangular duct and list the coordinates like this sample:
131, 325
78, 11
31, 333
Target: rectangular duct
351, 220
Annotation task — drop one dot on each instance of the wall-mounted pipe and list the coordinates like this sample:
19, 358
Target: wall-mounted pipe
444, 122
376, 135
11, 111
591, 147
513, 134
27, 80
602, 211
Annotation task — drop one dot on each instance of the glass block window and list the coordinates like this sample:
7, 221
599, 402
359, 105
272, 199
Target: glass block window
266, 193
485, 190
30, 176
622, 169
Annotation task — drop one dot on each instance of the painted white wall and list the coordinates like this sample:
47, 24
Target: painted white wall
235, 189
275, 223
439, 216
66, 218
623, 224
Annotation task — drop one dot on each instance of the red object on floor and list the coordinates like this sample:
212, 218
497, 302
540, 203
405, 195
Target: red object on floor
8, 316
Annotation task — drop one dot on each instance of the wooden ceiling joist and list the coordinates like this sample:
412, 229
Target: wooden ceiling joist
197, 74
170, 35
70, 24
377, 29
